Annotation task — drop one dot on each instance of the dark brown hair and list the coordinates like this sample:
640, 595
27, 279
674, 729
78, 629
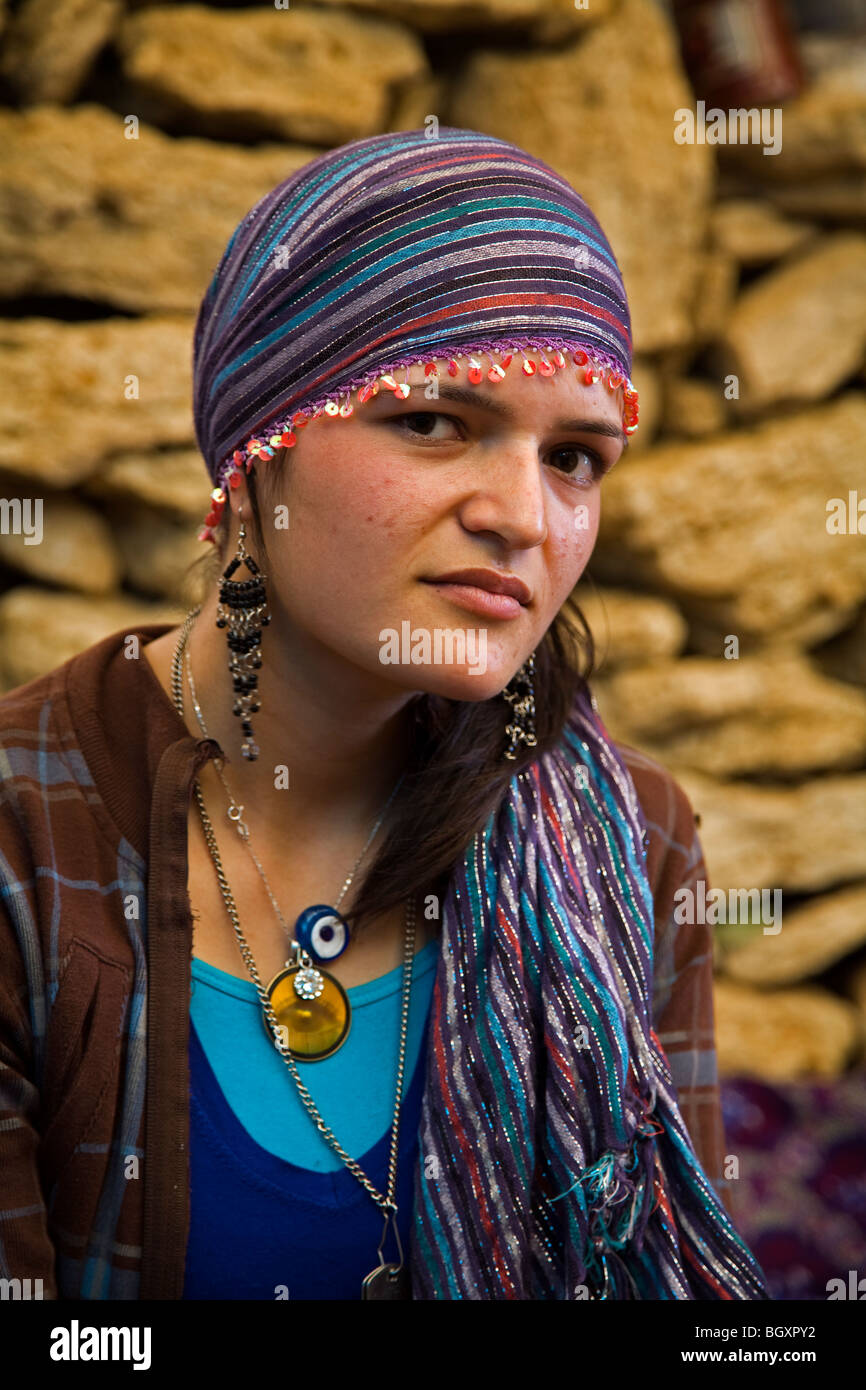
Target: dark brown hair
457, 773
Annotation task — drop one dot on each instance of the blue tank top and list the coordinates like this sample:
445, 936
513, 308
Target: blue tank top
264, 1225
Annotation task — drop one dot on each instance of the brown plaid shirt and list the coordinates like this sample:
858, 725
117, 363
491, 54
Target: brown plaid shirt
96, 773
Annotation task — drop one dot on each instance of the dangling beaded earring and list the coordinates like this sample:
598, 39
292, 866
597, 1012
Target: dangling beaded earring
520, 694
243, 608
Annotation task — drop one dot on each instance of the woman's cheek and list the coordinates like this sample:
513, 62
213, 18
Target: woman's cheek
576, 535
369, 498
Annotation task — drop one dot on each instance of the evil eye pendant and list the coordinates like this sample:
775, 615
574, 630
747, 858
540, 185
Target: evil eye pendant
322, 931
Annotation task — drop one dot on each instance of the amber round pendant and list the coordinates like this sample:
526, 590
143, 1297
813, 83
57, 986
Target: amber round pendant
316, 1020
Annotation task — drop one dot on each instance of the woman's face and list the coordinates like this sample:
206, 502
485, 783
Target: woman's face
502, 478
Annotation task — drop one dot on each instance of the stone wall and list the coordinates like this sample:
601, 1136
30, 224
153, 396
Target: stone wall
727, 596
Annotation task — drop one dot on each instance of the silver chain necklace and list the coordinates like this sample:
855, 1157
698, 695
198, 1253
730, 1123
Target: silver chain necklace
235, 815
386, 1281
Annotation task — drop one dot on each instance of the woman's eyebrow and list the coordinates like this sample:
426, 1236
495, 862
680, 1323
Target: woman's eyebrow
466, 395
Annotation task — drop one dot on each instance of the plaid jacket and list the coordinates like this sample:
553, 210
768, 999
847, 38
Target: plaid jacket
96, 773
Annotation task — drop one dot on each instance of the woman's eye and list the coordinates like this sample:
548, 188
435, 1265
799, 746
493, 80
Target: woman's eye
425, 423
433, 425
573, 454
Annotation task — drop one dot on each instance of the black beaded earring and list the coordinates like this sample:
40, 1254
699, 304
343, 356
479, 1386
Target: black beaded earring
243, 609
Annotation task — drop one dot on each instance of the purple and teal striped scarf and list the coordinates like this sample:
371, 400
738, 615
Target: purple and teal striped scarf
554, 1161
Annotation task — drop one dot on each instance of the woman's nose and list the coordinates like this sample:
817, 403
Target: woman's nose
506, 494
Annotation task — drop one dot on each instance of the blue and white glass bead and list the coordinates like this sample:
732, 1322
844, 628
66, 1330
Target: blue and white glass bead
322, 931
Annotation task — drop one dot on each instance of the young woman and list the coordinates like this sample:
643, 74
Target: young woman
328, 917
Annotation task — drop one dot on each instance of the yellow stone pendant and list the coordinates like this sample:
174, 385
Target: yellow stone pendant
314, 1010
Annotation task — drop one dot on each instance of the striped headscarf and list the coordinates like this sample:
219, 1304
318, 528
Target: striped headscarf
389, 251
554, 1161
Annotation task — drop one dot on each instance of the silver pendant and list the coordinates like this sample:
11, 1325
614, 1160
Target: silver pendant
388, 1281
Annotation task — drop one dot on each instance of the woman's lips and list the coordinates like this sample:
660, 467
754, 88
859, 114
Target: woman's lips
477, 600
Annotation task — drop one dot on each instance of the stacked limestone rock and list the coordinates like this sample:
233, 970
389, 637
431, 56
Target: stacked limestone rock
134, 139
